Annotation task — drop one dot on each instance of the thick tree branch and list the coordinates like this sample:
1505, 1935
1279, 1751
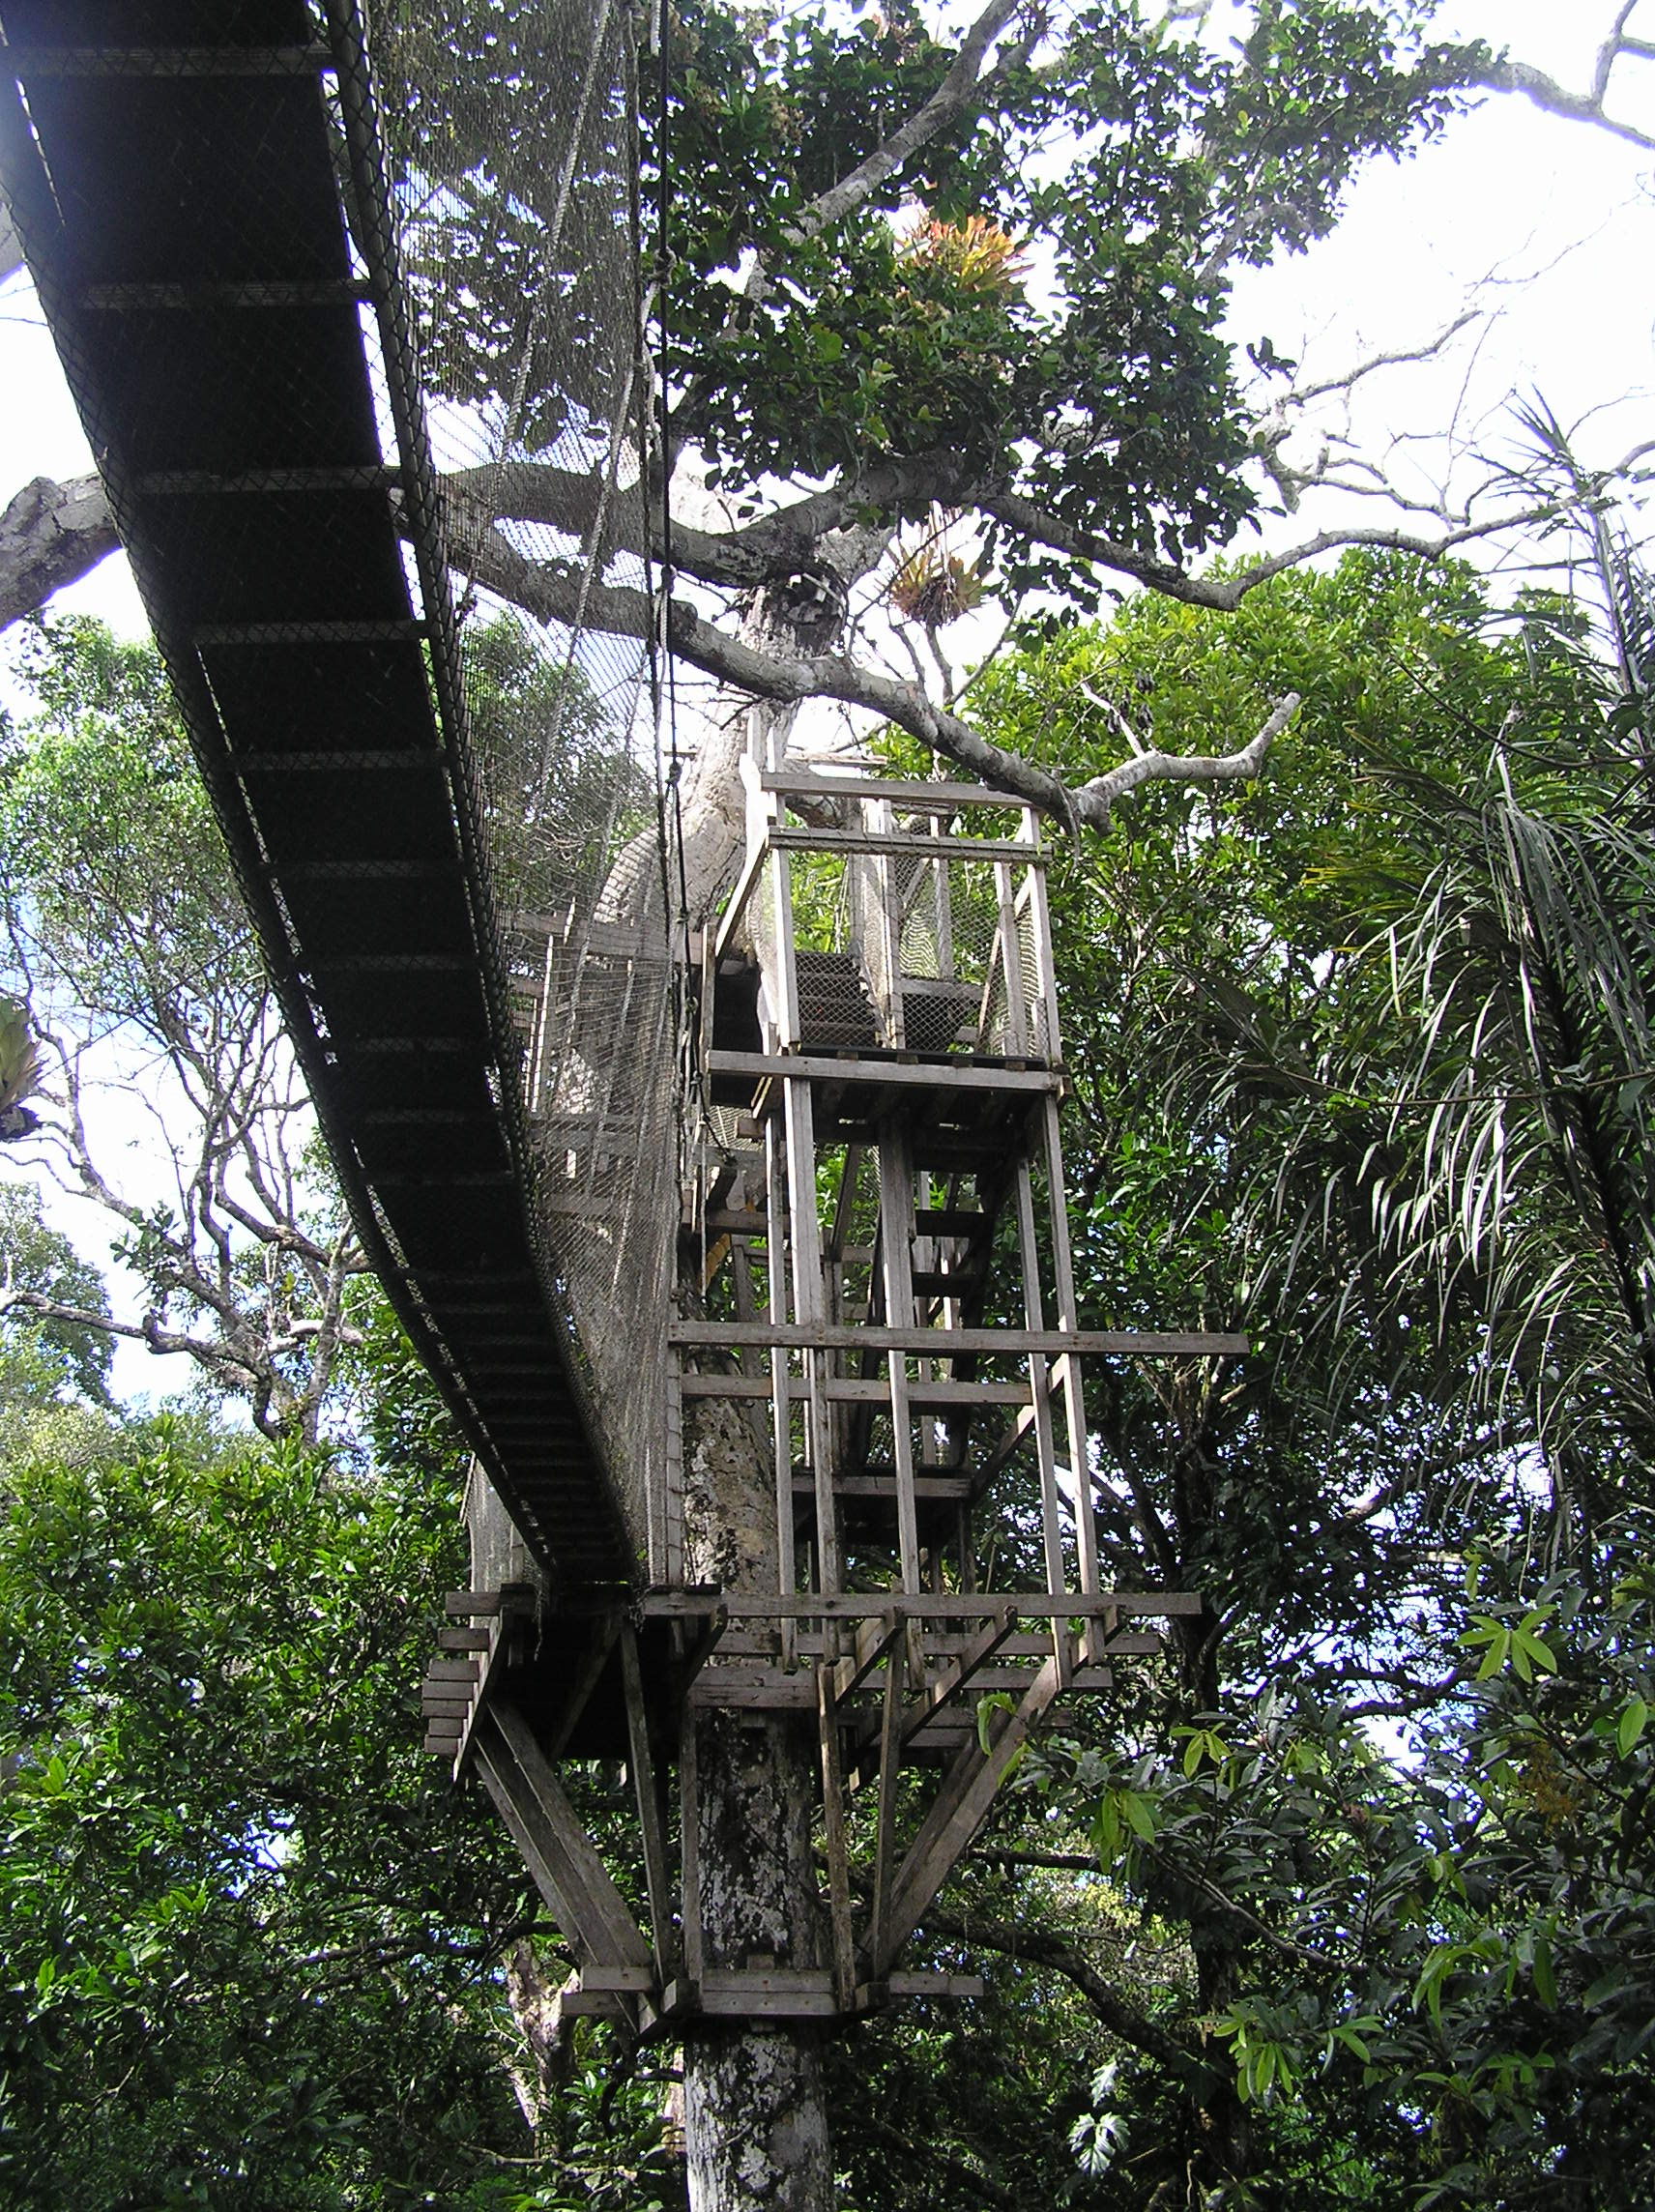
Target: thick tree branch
1044, 1949
836, 676
776, 545
51, 535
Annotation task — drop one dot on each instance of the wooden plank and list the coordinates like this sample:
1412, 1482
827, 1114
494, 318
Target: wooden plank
884, 1832
1045, 1442
833, 1835
926, 1984
462, 1640
941, 1644
618, 1978
778, 2004
856, 1390
589, 2004
928, 1605
495, 1765
889, 1074
898, 843
809, 1316
771, 1689
943, 1344
896, 1240
752, 867
936, 1489
479, 1604
960, 1808
1011, 959
918, 797
453, 1671
781, 1388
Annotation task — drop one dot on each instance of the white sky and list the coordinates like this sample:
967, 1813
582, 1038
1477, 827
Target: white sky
1510, 191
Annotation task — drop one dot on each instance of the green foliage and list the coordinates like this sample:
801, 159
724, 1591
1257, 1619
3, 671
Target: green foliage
1389, 1791
61, 1357
253, 1945
1133, 162
107, 840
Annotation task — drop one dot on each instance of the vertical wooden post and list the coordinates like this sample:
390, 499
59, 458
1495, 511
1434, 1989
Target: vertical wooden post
648, 1804
896, 1238
1045, 1444
1040, 934
805, 1228
781, 1398
1069, 1367
883, 822
890, 1755
834, 1832
1011, 964
944, 904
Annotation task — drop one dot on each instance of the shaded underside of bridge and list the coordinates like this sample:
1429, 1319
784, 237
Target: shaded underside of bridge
197, 188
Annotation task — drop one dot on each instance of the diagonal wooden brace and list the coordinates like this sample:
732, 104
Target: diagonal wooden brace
592, 1914
954, 1818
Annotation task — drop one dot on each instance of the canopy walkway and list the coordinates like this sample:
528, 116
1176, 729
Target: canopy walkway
219, 275
862, 1177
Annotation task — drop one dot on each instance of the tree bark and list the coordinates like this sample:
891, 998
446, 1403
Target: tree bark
755, 2105
51, 535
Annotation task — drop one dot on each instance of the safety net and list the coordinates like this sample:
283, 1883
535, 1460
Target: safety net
509, 132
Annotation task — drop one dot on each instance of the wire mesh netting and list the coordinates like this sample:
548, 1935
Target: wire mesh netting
348, 300
509, 138
906, 943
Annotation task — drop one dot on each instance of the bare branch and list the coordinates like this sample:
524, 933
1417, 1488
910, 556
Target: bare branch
961, 90
1503, 75
836, 676
1185, 768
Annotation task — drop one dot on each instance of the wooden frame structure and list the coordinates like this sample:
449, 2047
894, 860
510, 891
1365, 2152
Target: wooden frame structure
876, 1216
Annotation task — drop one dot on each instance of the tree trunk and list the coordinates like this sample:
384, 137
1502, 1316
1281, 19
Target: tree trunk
755, 2109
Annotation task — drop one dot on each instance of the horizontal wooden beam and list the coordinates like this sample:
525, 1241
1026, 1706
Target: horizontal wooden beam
479, 1603
951, 1343
921, 1605
941, 1074
903, 842
853, 1391
938, 797
928, 1489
